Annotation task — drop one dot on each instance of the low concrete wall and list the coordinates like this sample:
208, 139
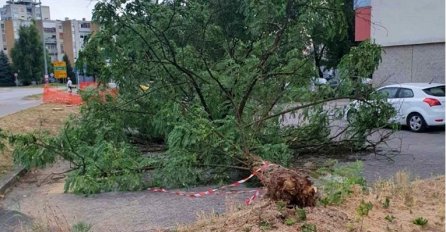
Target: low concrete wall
411, 63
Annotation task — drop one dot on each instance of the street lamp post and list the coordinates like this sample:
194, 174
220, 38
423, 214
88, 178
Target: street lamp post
43, 43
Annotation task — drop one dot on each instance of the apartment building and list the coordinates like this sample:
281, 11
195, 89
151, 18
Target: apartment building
24, 10
76, 32
61, 36
53, 37
412, 34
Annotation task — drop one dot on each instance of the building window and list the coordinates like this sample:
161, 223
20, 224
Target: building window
85, 25
49, 30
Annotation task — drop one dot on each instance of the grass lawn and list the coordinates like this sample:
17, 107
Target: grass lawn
47, 117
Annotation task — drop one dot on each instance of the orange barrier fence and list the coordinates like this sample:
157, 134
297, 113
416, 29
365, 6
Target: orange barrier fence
84, 85
54, 95
62, 96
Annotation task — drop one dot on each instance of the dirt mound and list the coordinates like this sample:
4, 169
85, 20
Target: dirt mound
395, 205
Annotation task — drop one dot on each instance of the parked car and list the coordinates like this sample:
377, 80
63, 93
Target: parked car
417, 105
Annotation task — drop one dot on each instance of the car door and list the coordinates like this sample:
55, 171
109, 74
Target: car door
406, 100
390, 93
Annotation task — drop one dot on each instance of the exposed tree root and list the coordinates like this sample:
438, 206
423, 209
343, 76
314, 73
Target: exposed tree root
291, 186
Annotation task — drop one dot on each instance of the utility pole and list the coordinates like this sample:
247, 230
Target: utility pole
43, 42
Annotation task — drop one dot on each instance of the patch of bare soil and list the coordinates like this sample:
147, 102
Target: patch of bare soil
45, 117
406, 202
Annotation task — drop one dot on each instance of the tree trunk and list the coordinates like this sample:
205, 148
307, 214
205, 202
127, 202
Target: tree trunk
283, 184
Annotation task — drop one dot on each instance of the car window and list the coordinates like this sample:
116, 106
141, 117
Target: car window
405, 93
389, 92
437, 91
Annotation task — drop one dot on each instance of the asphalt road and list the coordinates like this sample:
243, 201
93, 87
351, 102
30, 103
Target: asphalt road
422, 155
11, 99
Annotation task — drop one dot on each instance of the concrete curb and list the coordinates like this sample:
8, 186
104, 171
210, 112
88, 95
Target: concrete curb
11, 178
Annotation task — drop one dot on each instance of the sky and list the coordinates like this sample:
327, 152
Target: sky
73, 9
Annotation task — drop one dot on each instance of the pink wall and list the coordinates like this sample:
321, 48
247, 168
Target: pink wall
362, 23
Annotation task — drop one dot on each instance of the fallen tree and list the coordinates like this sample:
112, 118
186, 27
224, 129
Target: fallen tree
220, 74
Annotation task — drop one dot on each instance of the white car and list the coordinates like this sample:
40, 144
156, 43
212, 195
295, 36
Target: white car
417, 105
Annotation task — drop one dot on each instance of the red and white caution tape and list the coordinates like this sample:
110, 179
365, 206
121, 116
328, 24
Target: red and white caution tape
248, 201
252, 198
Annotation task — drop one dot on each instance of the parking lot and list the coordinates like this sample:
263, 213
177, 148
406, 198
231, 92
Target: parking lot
420, 154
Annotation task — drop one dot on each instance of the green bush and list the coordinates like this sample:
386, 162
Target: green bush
336, 183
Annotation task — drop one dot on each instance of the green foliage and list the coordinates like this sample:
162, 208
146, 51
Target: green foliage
281, 205
308, 227
364, 208
30, 150
3, 137
336, 183
265, 226
96, 146
6, 75
390, 218
27, 55
301, 214
361, 62
70, 72
420, 221
386, 203
92, 59
107, 168
331, 33
49, 63
222, 75
195, 146
81, 227
366, 115
277, 153
290, 221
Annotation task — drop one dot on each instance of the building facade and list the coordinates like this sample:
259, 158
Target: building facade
412, 34
76, 32
24, 10
61, 37
53, 36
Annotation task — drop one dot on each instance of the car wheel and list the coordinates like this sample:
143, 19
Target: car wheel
416, 122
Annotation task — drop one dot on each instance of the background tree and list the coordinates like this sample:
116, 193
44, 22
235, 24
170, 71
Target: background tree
6, 75
70, 72
328, 46
49, 62
27, 55
93, 60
